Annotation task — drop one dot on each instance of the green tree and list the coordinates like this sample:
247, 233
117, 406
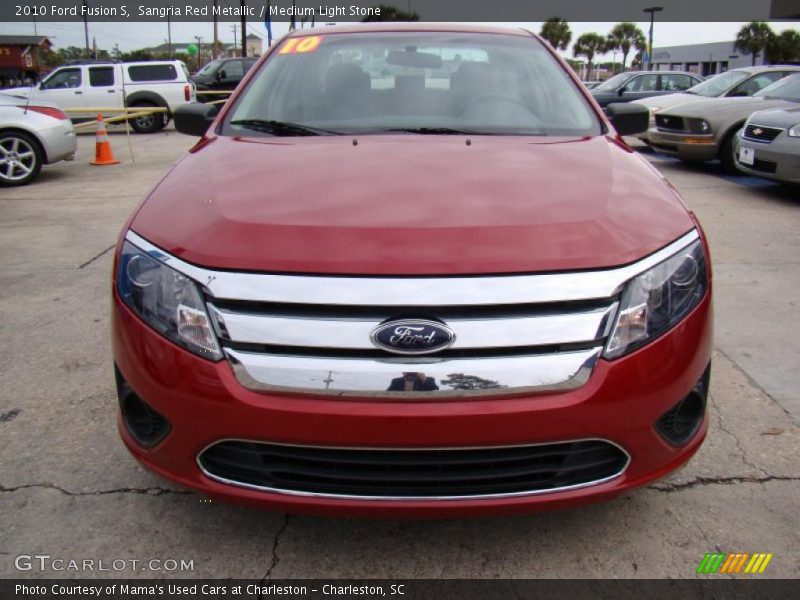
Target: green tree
623, 37
557, 32
588, 45
390, 13
784, 48
753, 38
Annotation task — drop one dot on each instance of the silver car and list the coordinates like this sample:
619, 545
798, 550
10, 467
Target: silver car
705, 130
730, 84
32, 135
769, 145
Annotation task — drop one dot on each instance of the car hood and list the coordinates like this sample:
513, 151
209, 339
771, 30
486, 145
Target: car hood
726, 109
670, 100
781, 117
411, 204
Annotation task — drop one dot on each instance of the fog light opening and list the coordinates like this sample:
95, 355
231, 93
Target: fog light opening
681, 422
145, 425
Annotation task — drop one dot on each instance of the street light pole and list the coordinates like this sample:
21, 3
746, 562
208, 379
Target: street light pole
652, 10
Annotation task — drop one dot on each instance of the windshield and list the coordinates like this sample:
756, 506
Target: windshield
609, 85
434, 83
720, 84
209, 68
787, 88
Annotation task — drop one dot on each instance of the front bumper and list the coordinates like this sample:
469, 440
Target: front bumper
684, 145
205, 404
778, 160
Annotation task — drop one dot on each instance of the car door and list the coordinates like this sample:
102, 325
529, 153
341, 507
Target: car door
230, 74
103, 90
640, 86
65, 88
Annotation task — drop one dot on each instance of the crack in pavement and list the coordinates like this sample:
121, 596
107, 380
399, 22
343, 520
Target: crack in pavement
701, 481
149, 491
275, 558
94, 258
736, 440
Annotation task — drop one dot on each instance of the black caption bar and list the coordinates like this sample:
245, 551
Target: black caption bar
423, 10
409, 589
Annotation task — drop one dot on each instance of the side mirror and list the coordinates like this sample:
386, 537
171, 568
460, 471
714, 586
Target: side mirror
194, 119
221, 74
621, 90
628, 118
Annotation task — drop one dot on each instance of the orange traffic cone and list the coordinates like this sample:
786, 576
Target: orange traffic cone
102, 153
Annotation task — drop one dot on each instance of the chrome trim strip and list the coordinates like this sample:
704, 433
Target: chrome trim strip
414, 498
501, 332
372, 377
414, 291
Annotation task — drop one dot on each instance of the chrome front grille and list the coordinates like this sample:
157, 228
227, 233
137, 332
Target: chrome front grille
760, 133
513, 334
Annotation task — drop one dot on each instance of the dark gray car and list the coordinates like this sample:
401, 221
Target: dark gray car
635, 85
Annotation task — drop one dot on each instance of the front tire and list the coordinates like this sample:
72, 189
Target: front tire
727, 152
147, 123
21, 158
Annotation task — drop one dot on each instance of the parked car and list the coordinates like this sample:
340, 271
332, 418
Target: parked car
32, 135
635, 85
769, 145
223, 74
113, 85
707, 130
591, 84
736, 82
444, 319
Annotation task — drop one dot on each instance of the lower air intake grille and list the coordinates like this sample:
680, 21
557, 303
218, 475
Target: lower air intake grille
405, 474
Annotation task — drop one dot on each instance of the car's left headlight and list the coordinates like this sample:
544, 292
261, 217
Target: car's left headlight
794, 131
166, 300
658, 299
697, 125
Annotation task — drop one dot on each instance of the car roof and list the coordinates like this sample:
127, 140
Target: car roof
404, 26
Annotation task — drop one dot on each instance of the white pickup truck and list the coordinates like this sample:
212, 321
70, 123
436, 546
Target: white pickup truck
113, 85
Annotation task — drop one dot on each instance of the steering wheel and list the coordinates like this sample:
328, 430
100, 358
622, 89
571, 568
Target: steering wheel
493, 96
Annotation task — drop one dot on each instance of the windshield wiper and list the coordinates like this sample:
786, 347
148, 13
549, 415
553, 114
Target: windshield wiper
282, 128
453, 131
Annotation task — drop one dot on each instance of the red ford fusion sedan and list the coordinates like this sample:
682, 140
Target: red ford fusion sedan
412, 270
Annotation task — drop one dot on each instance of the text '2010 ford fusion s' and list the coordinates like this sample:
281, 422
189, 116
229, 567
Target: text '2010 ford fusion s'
412, 270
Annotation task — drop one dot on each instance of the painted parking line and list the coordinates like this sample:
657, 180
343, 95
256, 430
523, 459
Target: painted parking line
748, 180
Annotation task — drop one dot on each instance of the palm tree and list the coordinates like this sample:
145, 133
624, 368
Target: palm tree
784, 48
623, 37
557, 32
588, 45
390, 13
753, 38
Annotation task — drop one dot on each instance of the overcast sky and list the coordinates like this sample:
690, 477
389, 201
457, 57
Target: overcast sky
132, 35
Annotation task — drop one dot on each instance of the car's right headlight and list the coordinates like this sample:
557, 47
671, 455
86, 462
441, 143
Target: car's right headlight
794, 131
654, 109
166, 300
656, 300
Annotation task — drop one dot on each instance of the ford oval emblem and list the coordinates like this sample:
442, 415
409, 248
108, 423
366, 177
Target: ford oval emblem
413, 336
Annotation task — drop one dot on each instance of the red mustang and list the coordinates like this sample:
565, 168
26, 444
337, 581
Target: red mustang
412, 270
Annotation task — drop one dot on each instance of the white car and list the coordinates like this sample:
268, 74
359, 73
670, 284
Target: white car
85, 85
31, 135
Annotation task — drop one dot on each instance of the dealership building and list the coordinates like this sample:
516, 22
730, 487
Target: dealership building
704, 59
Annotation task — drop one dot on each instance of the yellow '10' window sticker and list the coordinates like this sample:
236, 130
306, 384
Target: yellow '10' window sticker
301, 45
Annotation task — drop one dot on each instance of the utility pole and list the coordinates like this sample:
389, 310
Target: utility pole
652, 10
235, 36
215, 50
169, 36
86, 27
244, 29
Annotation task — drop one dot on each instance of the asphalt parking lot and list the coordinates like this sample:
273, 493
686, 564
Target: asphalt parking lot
69, 489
